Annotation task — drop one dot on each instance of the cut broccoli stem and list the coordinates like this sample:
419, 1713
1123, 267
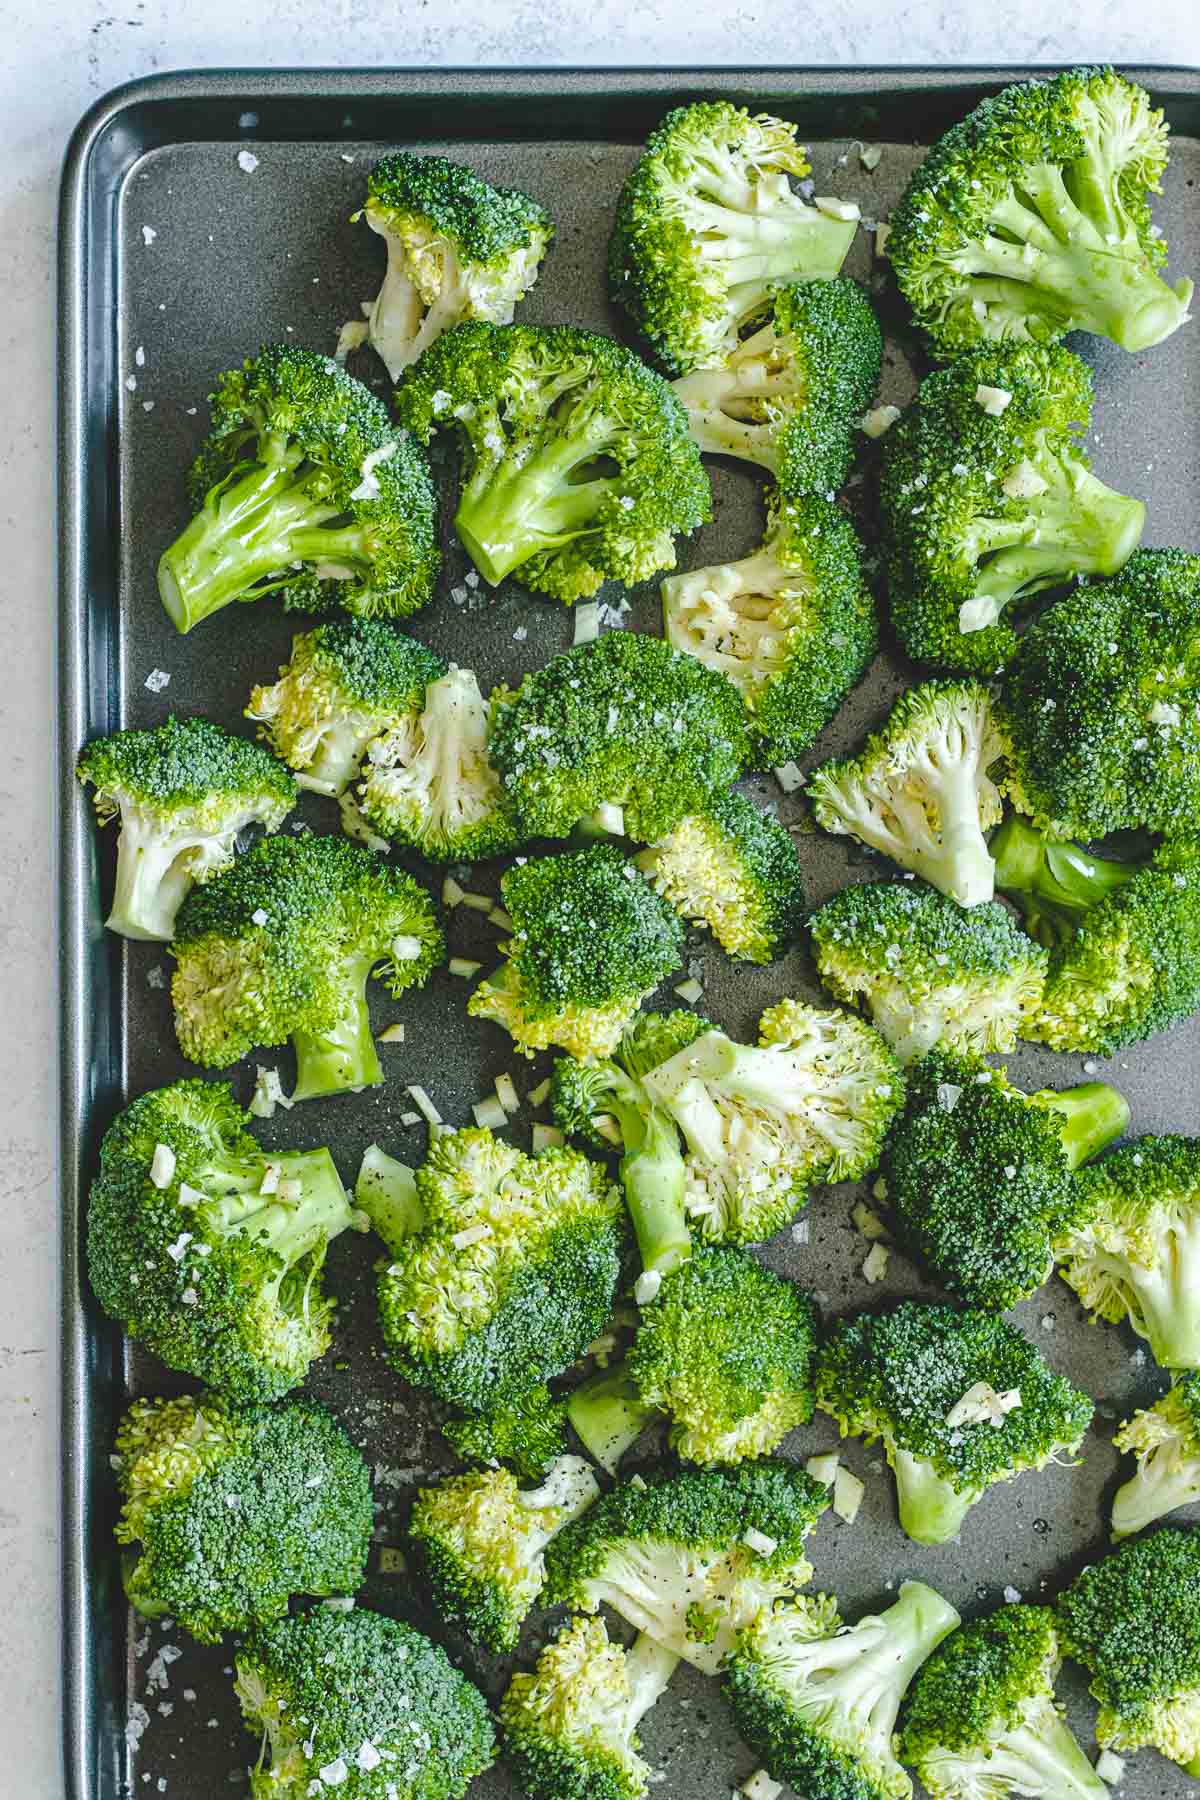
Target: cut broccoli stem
967, 872
608, 1416
649, 1667
755, 248
1160, 1295
654, 1178
1163, 1482
511, 511
868, 1672
344, 1057
291, 1228
931, 1511
155, 873
386, 1190
1093, 1116
1053, 881
1039, 1757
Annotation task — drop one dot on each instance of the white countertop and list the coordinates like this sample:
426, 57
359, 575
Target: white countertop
58, 61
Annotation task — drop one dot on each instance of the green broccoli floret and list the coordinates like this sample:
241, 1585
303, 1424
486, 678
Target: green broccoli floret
690, 1556
1124, 937
980, 1717
282, 945
528, 1434
733, 870
622, 722
229, 1510
1165, 1438
793, 626
1099, 705
570, 1728
346, 682
429, 782
764, 1125
1133, 1621
959, 1400
921, 790
209, 1249
1031, 218
304, 488
591, 939
512, 1276
817, 1700
481, 1542
577, 467
789, 397
927, 971
363, 1703
182, 792
981, 1176
706, 224
988, 500
457, 248
1131, 1250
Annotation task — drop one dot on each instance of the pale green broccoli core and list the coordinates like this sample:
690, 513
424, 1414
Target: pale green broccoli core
1039, 1756
931, 1510
386, 1190
736, 410
159, 861
608, 1416
342, 1058
1091, 1116
1167, 1445
293, 1226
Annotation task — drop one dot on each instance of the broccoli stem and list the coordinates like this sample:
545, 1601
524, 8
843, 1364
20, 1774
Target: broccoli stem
965, 870
291, 1228
1162, 1296
511, 510
386, 1190
649, 1667
721, 413
1093, 1116
755, 247
343, 1058
1038, 1757
608, 1415
155, 873
931, 1511
871, 1665
654, 1178
1164, 1480
1054, 882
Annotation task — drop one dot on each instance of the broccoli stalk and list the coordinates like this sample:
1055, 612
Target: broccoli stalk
386, 1190
931, 1510
1054, 882
1165, 1438
608, 1415
1091, 1116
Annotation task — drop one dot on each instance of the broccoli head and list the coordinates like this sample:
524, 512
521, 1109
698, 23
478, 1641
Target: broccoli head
1133, 1621
706, 224
959, 1401
921, 790
482, 1540
988, 500
817, 1700
209, 1249
1099, 705
927, 971
182, 792
1131, 1250
577, 467
624, 721
981, 1178
528, 1434
229, 1510
1031, 218
1165, 1438
347, 681
591, 939
304, 488
512, 1276
789, 397
457, 248
360, 1702
690, 1556
793, 626
282, 945
980, 1716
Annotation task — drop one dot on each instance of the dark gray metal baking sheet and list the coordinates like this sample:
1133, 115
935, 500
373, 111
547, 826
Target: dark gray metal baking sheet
176, 262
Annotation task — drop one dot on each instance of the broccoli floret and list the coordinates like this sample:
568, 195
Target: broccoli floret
708, 222
429, 783
669, 1552
817, 1700
959, 1400
733, 870
182, 792
528, 1434
229, 1510
793, 626
512, 1276
1124, 937
577, 467
926, 970
763, 1125
789, 397
624, 721
363, 1703
282, 945
1165, 1438
980, 1717
482, 1541
570, 1728
304, 488
457, 248
209, 1249
988, 500
346, 682
1031, 218
1133, 1621
921, 790
981, 1176
591, 939
1132, 1249
1099, 705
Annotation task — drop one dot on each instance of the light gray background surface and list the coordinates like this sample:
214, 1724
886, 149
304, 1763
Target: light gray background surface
58, 58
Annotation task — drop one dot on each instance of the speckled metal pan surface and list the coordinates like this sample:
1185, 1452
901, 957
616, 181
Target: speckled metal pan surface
177, 259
